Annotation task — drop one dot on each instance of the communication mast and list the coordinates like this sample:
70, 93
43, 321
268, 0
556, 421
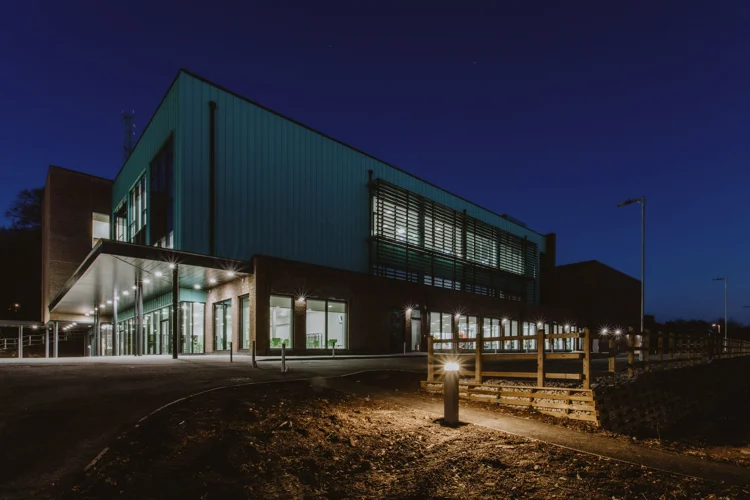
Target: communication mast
129, 134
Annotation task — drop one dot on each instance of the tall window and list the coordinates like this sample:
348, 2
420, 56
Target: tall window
222, 325
99, 227
162, 197
281, 321
326, 324
441, 328
121, 223
245, 322
138, 211
192, 330
467, 329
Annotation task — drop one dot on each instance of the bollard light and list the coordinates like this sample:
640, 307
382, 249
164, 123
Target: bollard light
450, 394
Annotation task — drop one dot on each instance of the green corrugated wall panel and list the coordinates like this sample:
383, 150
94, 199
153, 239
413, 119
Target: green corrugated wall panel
282, 189
157, 131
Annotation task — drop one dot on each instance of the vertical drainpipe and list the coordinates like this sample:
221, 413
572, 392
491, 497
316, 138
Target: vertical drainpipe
212, 179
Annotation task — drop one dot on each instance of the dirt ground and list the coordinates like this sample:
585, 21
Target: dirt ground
302, 440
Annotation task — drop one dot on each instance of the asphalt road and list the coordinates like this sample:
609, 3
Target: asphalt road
57, 415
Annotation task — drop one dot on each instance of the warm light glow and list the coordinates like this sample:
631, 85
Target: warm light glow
34, 327
212, 281
159, 274
505, 320
539, 325
230, 274
171, 266
102, 305
301, 298
408, 310
618, 332
604, 331
458, 315
197, 287
451, 366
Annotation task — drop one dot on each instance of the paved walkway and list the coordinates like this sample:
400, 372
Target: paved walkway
575, 440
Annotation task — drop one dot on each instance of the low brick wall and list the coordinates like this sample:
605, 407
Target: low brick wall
660, 399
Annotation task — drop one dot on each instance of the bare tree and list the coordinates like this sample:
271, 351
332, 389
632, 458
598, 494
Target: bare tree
26, 210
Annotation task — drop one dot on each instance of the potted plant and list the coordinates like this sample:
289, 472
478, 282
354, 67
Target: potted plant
276, 343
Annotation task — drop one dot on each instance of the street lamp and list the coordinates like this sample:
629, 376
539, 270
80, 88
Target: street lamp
642, 201
725, 306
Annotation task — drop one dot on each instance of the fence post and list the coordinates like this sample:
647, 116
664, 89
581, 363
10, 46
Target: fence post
631, 351
478, 359
612, 359
430, 359
586, 359
660, 349
540, 356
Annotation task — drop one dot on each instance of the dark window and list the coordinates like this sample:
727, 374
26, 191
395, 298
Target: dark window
162, 197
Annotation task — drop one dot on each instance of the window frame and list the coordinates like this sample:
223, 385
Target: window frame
325, 332
291, 320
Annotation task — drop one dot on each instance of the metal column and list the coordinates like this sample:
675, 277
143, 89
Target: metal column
115, 340
46, 341
55, 340
139, 322
20, 342
175, 310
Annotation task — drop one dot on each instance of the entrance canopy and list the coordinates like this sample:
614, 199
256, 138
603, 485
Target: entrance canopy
113, 268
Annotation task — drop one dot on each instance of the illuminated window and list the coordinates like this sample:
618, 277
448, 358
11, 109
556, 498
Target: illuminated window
138, 212
99, 228
281, 321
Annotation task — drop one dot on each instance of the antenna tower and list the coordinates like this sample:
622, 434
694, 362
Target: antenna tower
129, 134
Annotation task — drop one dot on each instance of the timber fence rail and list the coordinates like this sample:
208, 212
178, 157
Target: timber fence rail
479, 383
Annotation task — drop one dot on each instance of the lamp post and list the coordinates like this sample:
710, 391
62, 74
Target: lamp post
642, 201
725, 306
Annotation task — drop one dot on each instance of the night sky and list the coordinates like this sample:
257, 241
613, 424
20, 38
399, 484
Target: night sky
552, 114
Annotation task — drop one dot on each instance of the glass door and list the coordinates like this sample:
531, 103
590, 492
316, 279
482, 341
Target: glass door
416, 330
222, 325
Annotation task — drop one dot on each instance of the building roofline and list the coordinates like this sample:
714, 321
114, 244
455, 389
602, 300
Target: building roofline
594, 261
255, 103
58, 167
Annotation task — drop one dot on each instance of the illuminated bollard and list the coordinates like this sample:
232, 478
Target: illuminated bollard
450, 394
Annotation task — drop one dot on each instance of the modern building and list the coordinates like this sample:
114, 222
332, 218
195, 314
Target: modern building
230, 223
598, 295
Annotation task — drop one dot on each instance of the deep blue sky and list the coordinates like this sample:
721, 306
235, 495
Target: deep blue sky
552, 114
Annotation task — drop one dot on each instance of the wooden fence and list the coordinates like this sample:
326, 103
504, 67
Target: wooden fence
674, 350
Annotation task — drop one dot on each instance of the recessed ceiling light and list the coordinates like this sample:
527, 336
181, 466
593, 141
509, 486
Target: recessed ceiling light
212, 281
159, 274
109, 302
125, 292
147, 281
87, 314
197, 287
133, 287
102, 306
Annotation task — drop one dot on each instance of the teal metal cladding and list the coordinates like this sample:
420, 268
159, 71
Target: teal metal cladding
162, 124
281, 189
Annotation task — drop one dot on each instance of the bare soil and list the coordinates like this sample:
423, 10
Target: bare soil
303, 440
